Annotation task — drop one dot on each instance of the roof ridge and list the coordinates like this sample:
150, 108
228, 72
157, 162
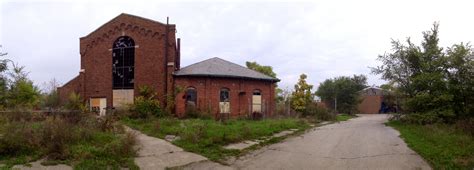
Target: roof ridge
122, 14
215, 66
247, 68
197, 63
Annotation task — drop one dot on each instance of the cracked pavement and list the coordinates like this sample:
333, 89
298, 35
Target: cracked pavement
155, 153
360, 143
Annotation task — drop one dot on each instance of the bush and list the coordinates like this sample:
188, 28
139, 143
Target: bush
318, 112
75, 102
143, 107
429, 117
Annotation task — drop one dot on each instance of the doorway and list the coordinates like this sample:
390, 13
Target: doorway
98, 105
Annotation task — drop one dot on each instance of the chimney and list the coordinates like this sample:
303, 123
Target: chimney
178, 55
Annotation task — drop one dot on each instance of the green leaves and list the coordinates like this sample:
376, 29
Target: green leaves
433, 80
302, 95
267, 70
344, 89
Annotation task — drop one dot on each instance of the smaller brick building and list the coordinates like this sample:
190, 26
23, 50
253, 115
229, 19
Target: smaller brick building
219, 86
130, 52
372, 100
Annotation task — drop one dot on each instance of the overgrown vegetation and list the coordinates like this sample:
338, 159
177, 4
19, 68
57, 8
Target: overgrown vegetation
433, 83
74, 138
319, 113
207, 137
443, 146
433, 88
146, 104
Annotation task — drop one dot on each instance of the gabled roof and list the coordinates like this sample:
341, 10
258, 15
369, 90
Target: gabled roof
125, 16
216, 67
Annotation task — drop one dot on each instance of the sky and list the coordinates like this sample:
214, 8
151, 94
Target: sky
323, 39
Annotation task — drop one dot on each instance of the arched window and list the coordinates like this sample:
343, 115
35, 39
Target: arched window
191, 97
257, 101
123, 63
224, 104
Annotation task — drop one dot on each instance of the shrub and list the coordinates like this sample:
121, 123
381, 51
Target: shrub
75, 102
421, 118
57, 133
143, 107
145, 104
19, 138
318, 112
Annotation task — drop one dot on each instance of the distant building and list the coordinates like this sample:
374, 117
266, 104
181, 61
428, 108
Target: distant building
129, 52
372, 101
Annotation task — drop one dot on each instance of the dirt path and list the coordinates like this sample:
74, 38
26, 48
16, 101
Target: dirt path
360, 143
155, 153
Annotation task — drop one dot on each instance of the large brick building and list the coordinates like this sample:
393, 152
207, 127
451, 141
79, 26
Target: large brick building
129, 52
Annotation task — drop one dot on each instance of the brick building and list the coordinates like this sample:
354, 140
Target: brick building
129, 52
372, 100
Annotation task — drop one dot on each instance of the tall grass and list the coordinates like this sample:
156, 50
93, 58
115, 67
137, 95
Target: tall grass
69, 137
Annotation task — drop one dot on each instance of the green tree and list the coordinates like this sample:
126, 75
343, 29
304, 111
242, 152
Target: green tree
22, 93
267, 70
343, 90
3, 80
301, 95
433, 81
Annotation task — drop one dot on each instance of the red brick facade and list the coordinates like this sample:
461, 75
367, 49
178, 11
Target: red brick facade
241, 90
151, 48
154, 41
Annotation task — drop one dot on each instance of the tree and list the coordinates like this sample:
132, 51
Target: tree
3, 80
267, 70
433, 81
301, 95
50, 96
22, 93
343, 90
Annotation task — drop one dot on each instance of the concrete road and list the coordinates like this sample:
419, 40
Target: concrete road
360, 143
155, 153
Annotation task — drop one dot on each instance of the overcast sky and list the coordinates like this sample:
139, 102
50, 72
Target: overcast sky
323, 39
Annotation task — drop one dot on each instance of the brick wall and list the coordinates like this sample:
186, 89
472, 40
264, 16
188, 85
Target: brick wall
73, 86
241, 91
150, 62
370, 104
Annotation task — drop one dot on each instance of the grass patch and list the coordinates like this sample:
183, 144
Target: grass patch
207, 137
442, 145
344, 117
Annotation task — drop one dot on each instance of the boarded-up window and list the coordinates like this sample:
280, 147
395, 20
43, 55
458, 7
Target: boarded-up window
224, 104
257, 101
